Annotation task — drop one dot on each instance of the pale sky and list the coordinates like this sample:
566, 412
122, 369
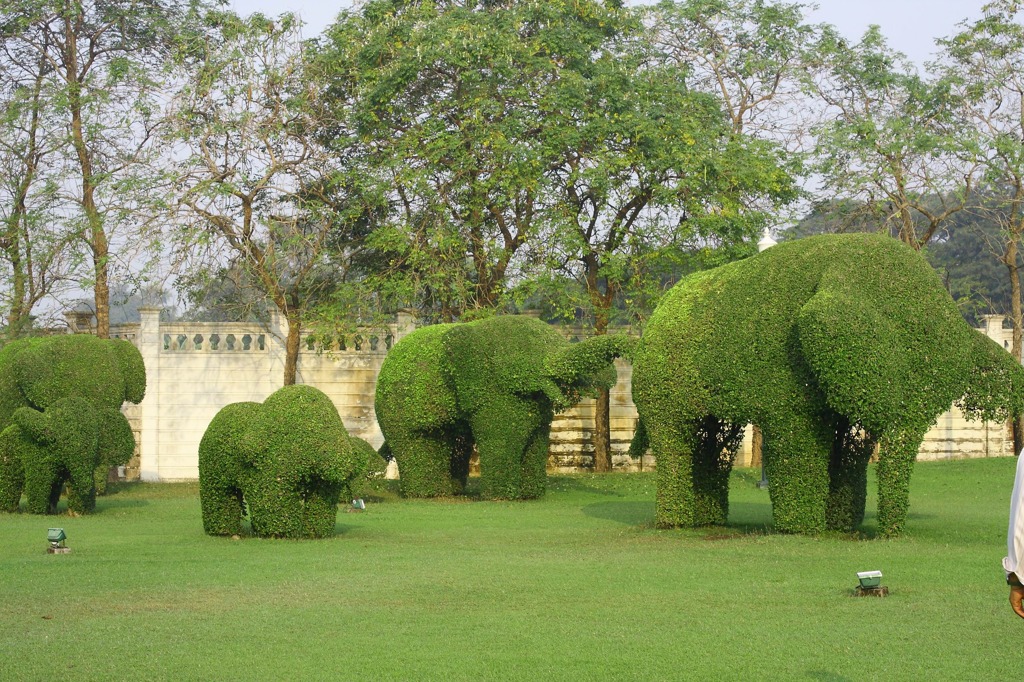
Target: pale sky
910, 25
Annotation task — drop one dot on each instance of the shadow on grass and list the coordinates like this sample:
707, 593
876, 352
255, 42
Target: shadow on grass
628, 513
104, 503
566, 483
746, 519
826, 676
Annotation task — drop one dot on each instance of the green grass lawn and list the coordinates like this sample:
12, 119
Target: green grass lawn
576, 586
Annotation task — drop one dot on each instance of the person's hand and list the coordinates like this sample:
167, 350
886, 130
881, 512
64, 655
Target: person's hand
1016, 598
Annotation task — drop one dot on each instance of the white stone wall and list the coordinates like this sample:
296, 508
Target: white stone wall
188, 381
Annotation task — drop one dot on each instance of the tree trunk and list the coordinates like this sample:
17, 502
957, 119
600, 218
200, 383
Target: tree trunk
96, 237
602, 432
291, 349
1010, 260
101, 288
602, 409
756, 446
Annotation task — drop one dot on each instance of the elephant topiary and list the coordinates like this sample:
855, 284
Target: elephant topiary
286, 460
82, 378
371, 470
495, 384
830, 344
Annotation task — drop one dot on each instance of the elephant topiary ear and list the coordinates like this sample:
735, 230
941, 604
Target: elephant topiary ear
133, 370
855, 356
874, 368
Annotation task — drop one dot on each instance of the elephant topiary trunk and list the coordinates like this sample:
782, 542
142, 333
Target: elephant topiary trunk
492, 384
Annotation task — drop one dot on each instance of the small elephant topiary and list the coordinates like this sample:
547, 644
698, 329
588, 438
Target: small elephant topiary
830, 344
494, 384
60, 402
285, 460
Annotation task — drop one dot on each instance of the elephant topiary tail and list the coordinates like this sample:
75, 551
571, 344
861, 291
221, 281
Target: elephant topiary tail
641, 441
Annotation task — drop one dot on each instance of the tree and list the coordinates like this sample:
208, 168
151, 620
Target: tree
33, 245
524, 134
968, 259
643, 162
985, 64
451, 99
102, 64
253, 181
892, 140
754, 56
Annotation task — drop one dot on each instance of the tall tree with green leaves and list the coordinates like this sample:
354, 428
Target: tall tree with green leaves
103, 64
451, 100
891, 140
35, 246
253, 182
985, 63
755, 57
643, 162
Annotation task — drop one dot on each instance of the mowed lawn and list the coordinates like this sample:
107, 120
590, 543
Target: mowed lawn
576, 586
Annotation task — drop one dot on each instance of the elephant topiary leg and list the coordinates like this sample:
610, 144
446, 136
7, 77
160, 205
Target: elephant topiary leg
535, 463
428, 463
796, 456
12, 474
222, 507
673, 447
460, 444
896, 456
82, 486
848, 477
275, 510
320, 510
43, 480
502, 434
712, 463
116, 446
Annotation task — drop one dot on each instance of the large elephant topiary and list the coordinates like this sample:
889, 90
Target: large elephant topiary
830, 344
285, 460
494, 383
82, 379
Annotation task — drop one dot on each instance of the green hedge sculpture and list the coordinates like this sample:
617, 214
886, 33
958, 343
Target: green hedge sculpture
830, 344
285, 460
60, 415
369, 477
494, 384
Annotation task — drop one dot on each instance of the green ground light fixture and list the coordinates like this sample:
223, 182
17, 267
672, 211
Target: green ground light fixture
56, 538
871, 584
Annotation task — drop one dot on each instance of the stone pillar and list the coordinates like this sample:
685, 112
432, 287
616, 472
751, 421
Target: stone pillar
993, 326
149, 345
406, 324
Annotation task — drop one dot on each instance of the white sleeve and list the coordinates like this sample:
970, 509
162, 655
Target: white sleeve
1014, 559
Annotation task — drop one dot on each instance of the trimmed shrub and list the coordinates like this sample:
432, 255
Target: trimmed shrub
369, 477
76, 377
493, 384
57, 447
829, 344
285, 461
